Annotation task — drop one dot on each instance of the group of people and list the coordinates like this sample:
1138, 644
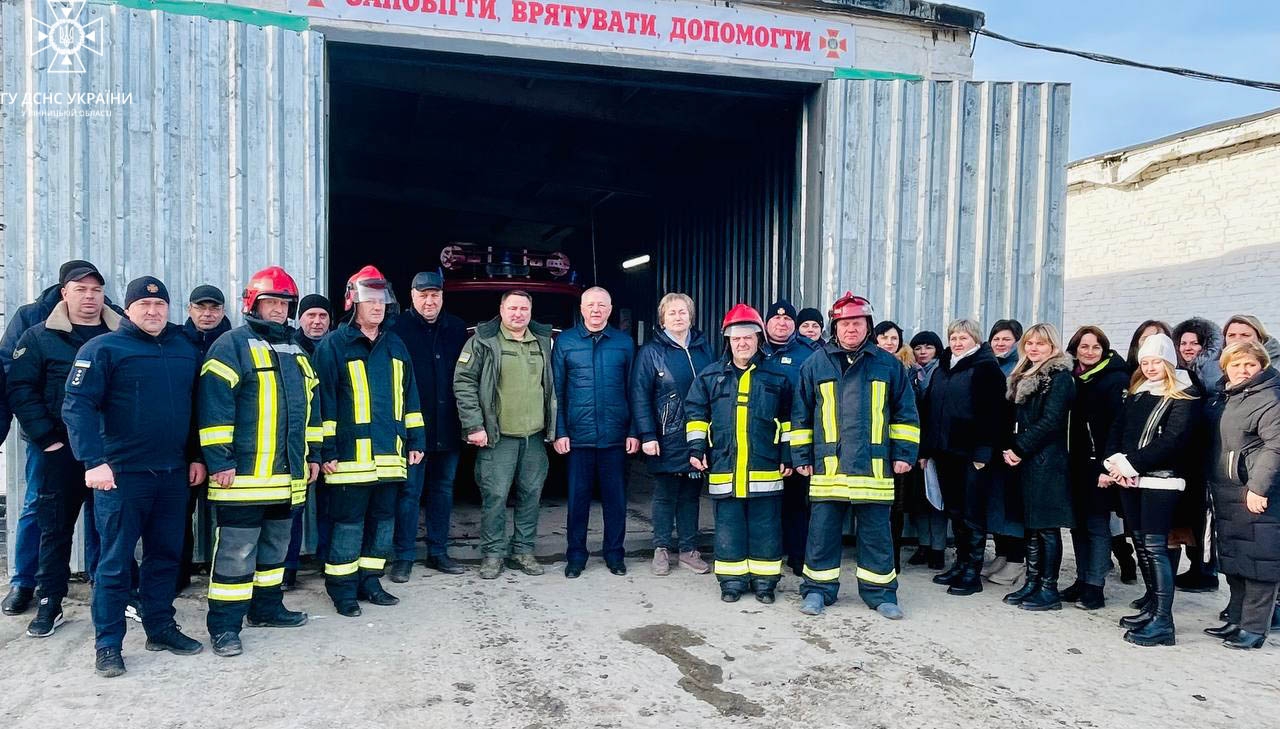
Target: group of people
803, 426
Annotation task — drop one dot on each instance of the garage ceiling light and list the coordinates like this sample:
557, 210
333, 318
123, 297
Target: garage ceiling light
636, 262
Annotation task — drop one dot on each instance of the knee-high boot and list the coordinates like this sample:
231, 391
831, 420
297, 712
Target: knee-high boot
1046, 596
1159, 630
1035, 552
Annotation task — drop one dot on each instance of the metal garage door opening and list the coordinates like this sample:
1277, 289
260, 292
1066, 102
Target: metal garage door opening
428, 150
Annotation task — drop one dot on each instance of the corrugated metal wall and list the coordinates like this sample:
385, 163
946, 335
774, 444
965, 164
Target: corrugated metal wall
214, 168
734, 243
941, 199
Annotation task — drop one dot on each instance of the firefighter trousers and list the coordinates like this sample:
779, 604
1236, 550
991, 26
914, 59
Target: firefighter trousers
364, 524
877, 579
249, 547
748, 543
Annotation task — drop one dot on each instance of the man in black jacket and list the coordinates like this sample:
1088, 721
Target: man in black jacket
36, 387
128, 411
434, 338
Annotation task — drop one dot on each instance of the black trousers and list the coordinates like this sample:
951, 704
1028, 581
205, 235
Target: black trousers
1252, 603
795, 519
248, 563
364, 523
58, 503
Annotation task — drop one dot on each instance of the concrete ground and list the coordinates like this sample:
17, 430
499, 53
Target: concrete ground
647, 651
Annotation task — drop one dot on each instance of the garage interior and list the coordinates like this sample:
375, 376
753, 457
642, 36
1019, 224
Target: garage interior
603, 164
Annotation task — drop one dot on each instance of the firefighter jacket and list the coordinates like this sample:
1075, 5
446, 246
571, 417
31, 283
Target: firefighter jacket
854, 414
737, 420
258, 414
372, 415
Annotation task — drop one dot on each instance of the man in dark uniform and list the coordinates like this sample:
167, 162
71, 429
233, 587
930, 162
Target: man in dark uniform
314, 318
128, 411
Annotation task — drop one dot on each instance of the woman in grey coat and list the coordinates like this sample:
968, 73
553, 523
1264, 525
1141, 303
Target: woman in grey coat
1245, 477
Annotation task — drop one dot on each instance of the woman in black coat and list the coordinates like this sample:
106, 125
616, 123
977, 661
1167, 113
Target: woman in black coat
961, 424
1245, 477
1101, 380
664, 370
1147, 447
1042, 390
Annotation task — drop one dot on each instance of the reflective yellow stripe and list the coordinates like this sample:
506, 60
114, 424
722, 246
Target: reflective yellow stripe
909, 433
270, 578
330, 428
827, 393
695, 429
305, 365
414, 420
877, 467
774, 475
342, 479
359, 391
741, 419
364, 450
732, 569
315, 434
831, 575
877, 412
338, 570
830, 464
801, 437
221, 370
876, 579
372, 563
265, 461
397, 389
768, 568
261, 353
230, 592
217, 435
235, 494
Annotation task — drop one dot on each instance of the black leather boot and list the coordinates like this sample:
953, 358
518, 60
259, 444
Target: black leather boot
969, 581
1144, 569
1034, 567
1159, 630
1146, 604
957, 567
1046, 595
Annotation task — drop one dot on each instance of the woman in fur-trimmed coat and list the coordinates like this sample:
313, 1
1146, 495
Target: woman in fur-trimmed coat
1042, 389
1199, 342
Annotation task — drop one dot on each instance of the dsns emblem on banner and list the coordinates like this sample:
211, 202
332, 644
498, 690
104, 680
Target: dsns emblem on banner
67, 35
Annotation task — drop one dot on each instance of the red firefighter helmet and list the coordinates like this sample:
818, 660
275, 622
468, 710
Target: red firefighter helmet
272, 282
368, 284
850, 307
741, 314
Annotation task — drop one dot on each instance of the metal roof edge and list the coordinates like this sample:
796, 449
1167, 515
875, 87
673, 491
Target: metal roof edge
919, 11
216, 11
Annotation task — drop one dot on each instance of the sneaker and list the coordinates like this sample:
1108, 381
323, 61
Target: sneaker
813, 604
890, 610
109, 663
994, 566
133, 609
48, 618
661, 562
18, 601
227, 645
526, 564
692, 560
1009, 574
175, 642
490, 568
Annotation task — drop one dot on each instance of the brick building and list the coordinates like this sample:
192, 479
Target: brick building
1182, 226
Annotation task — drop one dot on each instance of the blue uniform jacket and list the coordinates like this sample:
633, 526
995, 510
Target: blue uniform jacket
591, 386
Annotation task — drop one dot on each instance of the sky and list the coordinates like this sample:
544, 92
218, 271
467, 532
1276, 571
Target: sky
1115, 106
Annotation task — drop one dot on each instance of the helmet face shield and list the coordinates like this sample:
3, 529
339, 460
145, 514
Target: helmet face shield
372, 290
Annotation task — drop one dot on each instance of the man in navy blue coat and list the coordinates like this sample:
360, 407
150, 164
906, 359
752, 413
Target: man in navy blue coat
591, 364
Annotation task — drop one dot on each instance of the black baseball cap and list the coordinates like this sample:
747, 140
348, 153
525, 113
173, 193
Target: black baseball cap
206, 293
76, 270
428, 280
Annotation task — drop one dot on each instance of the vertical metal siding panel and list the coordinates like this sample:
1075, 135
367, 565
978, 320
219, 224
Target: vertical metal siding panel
906, 241
934, 251
964, 267
1051, 298
254, 180
1030, 156
876, 190
996, 254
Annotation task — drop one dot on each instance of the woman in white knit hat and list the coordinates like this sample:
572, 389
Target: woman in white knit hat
1147, 461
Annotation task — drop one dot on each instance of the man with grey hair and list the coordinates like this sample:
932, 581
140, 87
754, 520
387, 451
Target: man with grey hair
591, 365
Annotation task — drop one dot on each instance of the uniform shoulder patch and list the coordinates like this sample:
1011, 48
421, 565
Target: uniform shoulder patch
78, 371
786, 360
19, 352
464, 358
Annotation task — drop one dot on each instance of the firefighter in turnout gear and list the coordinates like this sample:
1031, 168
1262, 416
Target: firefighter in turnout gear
373, 431
737, 429
854, 426
260, 432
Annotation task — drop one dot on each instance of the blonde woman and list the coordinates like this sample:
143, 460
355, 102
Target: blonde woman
1042, 389
1245, 479
1147, 446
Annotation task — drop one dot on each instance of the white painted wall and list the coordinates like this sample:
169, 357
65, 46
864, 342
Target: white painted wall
1191, 229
